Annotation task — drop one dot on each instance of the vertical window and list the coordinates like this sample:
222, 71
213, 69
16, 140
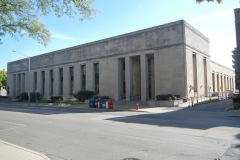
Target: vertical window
61, 80
224, 78
124, 87
149, 79
221, 78
213, 82
83, 76
96, 77
19, 84
121, 76
195, 72
51, 82
35, 81
228, 85
14, 85
43, 82
71, 71
205, 75
23, 82
123, 64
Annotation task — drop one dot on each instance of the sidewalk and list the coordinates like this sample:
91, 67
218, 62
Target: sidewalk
119, 108
10, 151
116, 107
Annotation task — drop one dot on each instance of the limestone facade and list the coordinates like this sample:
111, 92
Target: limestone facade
223, 78
172, 58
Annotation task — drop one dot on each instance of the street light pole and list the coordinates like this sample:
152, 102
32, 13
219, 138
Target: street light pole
29, 69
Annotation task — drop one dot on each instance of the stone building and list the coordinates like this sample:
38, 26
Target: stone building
223, 78
172, 58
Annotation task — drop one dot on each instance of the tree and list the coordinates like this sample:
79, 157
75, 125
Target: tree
200, 1
3, 79
21, 17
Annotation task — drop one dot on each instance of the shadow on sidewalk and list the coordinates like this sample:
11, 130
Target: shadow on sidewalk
49, 110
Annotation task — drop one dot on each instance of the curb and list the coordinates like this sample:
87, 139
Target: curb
43, 156
75, 107
228, 109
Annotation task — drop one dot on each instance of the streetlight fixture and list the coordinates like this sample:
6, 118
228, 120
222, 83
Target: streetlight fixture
28, 72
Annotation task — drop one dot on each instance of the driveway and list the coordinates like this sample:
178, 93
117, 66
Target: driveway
218, 106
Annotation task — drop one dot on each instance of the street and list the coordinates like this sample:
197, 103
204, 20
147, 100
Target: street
203, 132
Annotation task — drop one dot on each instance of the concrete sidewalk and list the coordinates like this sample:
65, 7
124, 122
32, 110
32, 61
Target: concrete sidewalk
116, 107
119, 107
10, 151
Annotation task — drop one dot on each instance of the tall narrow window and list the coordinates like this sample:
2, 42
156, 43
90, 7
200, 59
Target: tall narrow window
195, 73
213, 82
149, 79
230, 81
51, 82
225, 82
96, 77
35, 81
83, 76
43, 82
205, 76
14, 85
23, 82
233, 87
123, 64
19, 84
71, 71
124, 87
228, 84
221, 87
61, 80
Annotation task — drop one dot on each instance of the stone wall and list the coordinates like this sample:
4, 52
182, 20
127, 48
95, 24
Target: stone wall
170, 45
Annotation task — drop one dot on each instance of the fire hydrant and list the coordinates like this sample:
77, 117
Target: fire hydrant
137, 106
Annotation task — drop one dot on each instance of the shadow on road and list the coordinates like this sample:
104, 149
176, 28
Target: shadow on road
187, 118
182, 119
48, 110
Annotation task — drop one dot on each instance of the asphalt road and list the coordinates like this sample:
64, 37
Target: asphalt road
219, 106
74, 134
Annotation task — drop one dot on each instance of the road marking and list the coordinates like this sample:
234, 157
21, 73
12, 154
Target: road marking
13, 123
11, 128
17, 125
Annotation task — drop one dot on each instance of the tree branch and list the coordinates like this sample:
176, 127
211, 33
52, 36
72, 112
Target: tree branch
8, 25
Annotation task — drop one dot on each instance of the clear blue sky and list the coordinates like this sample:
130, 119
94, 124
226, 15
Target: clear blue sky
117, 17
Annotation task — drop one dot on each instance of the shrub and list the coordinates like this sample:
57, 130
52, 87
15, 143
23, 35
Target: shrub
160, 97
34, 96
82, 95
236, 101
236, 106
3, 97
170, 98
167, 97
178, 96
23, 97
55, 98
